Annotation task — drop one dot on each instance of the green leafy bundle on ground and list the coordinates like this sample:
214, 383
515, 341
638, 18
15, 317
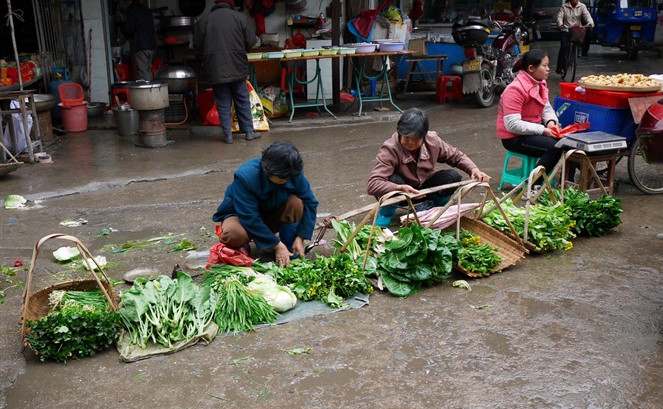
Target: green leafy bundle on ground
593, 218
80, 324
418, 256
549, 227
475, 257
166, 311
327, 279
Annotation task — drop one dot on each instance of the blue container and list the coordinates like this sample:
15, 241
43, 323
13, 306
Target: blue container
616, 121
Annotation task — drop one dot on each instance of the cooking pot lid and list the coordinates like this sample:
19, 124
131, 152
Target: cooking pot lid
192, 8
147, 84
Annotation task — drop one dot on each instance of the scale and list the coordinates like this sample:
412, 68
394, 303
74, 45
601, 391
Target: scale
592, 142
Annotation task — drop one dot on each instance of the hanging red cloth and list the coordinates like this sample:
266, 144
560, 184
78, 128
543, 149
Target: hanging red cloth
363, 23
417, 10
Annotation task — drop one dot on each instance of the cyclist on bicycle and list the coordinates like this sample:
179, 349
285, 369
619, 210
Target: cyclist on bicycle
572, 14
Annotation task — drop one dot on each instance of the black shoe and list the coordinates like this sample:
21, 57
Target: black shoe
227, 139
251, 136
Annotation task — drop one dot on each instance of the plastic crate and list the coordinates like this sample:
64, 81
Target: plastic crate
71, 94
615, 121
610, 99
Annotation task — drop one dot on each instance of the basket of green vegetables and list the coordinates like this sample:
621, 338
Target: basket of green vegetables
72, 319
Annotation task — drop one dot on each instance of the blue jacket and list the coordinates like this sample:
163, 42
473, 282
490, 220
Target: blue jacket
252, 197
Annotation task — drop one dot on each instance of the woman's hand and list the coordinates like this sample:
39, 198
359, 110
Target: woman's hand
407, 189
282, 255
479, 175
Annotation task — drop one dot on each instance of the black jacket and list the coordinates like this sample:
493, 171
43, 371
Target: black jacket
224, 36
139, 27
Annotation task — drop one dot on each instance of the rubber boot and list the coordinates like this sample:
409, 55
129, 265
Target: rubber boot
288, 234
384, 216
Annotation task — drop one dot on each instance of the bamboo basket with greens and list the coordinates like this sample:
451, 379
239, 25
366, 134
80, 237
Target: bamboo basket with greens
72, 319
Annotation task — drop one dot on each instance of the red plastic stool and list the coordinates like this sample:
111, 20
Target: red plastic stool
299, 90
449, 87
122, 95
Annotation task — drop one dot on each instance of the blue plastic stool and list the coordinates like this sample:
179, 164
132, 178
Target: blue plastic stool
514, 176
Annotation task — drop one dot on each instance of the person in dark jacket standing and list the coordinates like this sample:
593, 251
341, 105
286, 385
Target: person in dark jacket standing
224, 36
139, 30
269, 194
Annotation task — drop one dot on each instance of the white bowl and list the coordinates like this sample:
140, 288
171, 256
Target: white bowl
363, 47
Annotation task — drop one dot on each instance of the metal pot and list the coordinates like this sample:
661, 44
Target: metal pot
43, 102
180, 21
148, 95
95, 109
180, 80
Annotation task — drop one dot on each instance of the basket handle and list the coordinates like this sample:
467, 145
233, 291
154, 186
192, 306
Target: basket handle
85, 253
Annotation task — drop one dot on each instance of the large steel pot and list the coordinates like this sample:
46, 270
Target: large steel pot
148, 95
180, 21
180, 80
43, 102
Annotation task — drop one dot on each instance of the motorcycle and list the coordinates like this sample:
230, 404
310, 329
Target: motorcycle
489, 68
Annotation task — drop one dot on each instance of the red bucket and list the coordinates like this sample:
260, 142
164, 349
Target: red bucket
74, 117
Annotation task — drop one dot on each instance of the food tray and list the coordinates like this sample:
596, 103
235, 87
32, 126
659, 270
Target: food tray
390, 46
508, 249
274, 55
310, 53
612, 99
292, 53
254, 56
329, 51
347, 50
621, 89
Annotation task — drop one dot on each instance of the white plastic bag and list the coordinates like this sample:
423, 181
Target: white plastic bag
17, 123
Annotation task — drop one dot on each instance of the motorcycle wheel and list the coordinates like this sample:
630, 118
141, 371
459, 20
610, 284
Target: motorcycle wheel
485, 96
648, 178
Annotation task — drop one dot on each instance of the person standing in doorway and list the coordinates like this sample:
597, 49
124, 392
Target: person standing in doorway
224, 36
139, 30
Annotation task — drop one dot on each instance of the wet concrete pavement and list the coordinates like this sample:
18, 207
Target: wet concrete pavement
575, 329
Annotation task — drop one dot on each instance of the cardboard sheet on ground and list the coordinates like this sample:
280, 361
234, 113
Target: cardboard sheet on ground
133, 353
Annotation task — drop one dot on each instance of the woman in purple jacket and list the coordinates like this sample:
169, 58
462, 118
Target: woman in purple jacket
407, 163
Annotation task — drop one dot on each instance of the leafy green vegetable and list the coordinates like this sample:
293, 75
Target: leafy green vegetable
298, 351
165, 311
549, 227
184, 245
106, 231
14, 201
239, 310
327, 279
475, 257
592, 218
65, 254
418, 256
80, 324
461, 284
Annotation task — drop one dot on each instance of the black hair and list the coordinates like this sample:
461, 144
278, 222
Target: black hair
533, 58
282, 159
413, 122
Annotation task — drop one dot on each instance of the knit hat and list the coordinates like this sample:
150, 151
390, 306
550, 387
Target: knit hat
231, 3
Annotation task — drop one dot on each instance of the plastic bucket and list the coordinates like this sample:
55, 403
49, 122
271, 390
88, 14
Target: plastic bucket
74, 117
127, 121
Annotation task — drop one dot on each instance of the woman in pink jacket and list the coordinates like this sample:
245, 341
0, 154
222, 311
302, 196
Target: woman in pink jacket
407, 162
525, 119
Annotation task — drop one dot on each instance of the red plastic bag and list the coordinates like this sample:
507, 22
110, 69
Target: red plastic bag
573, 128
222, 254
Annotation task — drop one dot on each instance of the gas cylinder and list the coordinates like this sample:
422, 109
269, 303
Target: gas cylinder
61, 75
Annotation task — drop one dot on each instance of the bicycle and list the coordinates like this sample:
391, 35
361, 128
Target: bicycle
577, 36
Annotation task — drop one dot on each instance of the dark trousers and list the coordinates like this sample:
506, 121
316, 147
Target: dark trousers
439, 178
224, 95
234, 235
538, 146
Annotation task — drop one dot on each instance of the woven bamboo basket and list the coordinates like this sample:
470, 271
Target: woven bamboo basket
35, 305
508, 249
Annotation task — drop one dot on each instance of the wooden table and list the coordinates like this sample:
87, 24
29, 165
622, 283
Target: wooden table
360, 74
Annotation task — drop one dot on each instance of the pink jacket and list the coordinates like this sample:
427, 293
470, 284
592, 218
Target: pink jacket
394, 159
525, 96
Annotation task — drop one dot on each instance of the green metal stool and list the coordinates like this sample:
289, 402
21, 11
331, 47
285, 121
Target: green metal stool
514, 176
